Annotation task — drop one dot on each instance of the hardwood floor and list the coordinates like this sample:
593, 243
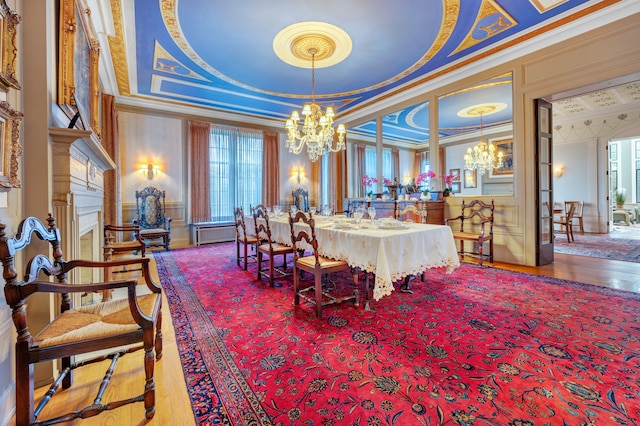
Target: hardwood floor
172, 401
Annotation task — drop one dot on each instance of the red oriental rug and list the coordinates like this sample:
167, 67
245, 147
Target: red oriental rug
478, 346
627, 250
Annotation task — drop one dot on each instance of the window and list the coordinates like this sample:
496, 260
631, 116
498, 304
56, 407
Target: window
235, 164
370, 162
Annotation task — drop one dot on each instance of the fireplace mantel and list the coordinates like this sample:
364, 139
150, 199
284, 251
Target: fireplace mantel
79, 163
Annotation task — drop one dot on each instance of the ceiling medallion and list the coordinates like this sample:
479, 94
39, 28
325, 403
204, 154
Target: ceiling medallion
331, 44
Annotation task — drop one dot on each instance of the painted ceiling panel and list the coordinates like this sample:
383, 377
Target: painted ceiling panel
220, 54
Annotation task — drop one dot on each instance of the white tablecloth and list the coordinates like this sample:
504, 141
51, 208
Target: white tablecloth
391, 254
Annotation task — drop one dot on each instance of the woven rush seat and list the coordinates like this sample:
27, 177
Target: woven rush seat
111, 318
106, 329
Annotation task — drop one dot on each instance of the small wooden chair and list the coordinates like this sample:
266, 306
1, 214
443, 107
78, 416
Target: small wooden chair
410, 213
116, 242
244, 239
113, 325
304, 238
267, 247
477, 217
566, 223
577, 213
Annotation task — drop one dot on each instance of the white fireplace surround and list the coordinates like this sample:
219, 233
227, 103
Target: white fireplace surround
79, 163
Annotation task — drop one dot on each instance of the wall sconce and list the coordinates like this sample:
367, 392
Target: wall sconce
558, 171
150, 170
298, 174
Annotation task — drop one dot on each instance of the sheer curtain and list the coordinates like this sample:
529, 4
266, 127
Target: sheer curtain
199, 143
235, 164
271, 167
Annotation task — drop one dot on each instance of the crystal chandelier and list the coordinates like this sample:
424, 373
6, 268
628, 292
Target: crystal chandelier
483, 157
317, 132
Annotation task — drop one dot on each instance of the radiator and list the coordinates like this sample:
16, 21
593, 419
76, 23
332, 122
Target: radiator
207, 233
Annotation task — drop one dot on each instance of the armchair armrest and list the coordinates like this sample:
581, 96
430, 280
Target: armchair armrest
48, 287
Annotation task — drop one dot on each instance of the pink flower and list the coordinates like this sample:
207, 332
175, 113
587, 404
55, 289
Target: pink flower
448, 180
368, 181
422, 177
386, 181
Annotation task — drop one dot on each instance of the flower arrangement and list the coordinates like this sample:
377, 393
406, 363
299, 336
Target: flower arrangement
367, 182
448, 181
422, 177
386, 181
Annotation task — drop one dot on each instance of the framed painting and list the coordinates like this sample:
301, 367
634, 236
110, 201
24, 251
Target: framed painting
505, 146
78, 72
455, 187
10, 148
471, 178
9, 21
455, 173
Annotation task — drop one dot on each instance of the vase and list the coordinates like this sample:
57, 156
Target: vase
446, 193
424, 197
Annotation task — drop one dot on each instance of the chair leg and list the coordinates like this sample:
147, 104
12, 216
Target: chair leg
246, 255
356, 290
296, 285
238, 252
259, 265
480, 251
271, 269
150, 386
318, 291
24, 388
158, 340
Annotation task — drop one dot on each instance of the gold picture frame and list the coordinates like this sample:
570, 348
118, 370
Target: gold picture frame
78, 91
9, 21
10, 148
506, 147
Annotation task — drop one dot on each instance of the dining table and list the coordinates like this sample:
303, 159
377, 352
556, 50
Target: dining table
390, 250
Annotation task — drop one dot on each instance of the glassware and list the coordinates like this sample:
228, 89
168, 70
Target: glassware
277, 210
312, 210
294, 209
372, 213
326, 211
357, 214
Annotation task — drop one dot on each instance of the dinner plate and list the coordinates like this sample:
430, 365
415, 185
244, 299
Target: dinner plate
393, 225
339, 225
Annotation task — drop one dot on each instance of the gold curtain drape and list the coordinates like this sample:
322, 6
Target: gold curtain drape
338, 185
417, 163
199, 142
112, 198
270, 169
395, 161
359, 170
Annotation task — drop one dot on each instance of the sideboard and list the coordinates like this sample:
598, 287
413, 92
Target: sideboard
432, 211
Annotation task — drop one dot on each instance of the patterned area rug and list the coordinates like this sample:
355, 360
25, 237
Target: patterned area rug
478, 346
594, 246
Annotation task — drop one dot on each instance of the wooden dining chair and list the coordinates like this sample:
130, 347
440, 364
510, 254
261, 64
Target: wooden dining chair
269, 248
99, 331
475, 225
244, 239
565, 223
577, 213
303, 239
